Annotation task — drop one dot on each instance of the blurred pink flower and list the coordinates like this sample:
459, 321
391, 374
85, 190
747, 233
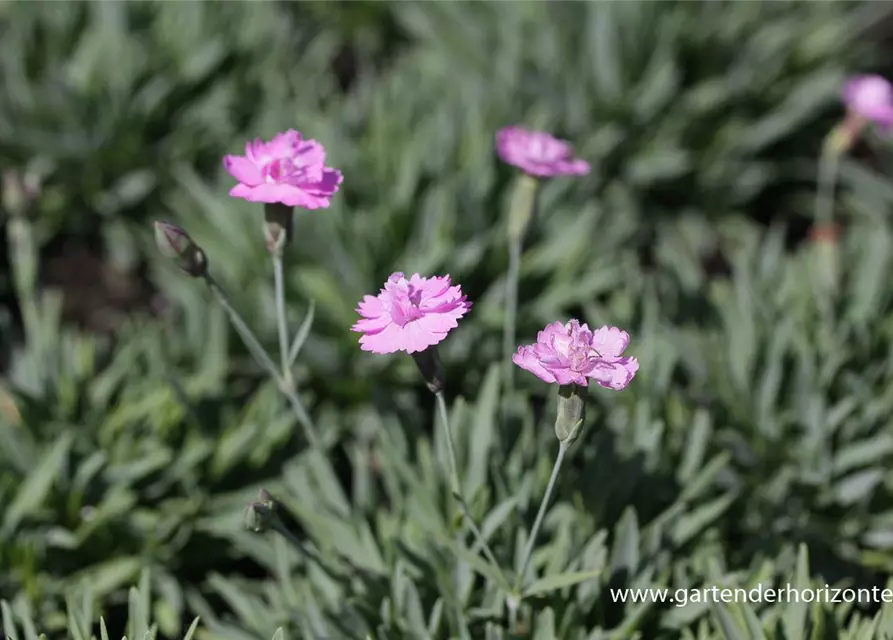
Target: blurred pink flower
871, 97
573, 354
410, 315
288, 169
538, 153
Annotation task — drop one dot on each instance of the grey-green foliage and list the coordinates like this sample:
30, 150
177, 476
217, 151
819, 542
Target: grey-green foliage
423, 189
668, 127
757, 420
655, 117
107, 98
18, 622
781, 448
770, 427
111, 465
823, 613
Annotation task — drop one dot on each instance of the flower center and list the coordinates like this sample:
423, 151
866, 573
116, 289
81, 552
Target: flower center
579, 357
405, 308
580, 352
278, 170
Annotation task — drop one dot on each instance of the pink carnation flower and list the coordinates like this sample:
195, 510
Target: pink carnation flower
288, 169
573, 354
538, 153
410, 315
871, 97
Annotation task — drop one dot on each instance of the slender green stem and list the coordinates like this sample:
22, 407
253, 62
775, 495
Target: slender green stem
511, 312
457, 486
264, 360
827, 180
277, 526
521, 212
826, 268
281, 320
306, 551
531, 541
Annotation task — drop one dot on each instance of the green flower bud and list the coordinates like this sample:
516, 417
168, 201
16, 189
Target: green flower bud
259, 516
176, 244
571, 412
278, 226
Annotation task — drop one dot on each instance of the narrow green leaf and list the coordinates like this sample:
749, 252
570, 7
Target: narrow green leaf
493, 632
824, 624
37, 484
694, 522
434, 618
727, 623
482, 433
863, 453
478, 564
625, 550
560, 581
109, 575
754, 628
698, 436
151, 633
75, 624
302, 334
856, 486
702, 481
605, 53
658, 165
545, 625
138, 608
191, 630
26, 619
497, 516
9, 629
794, 616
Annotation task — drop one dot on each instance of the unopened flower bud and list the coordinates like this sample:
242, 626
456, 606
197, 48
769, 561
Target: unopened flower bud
571, 412
259, 515
176, 244
277, 226
264, 496
431, 368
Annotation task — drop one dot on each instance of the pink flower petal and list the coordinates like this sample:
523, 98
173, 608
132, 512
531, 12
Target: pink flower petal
243, 170
385, 341
326, 185
615, 375
371, 307
610, 342
526, 359
371, 325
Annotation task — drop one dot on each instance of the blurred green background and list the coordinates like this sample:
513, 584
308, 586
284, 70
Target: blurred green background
754, 446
